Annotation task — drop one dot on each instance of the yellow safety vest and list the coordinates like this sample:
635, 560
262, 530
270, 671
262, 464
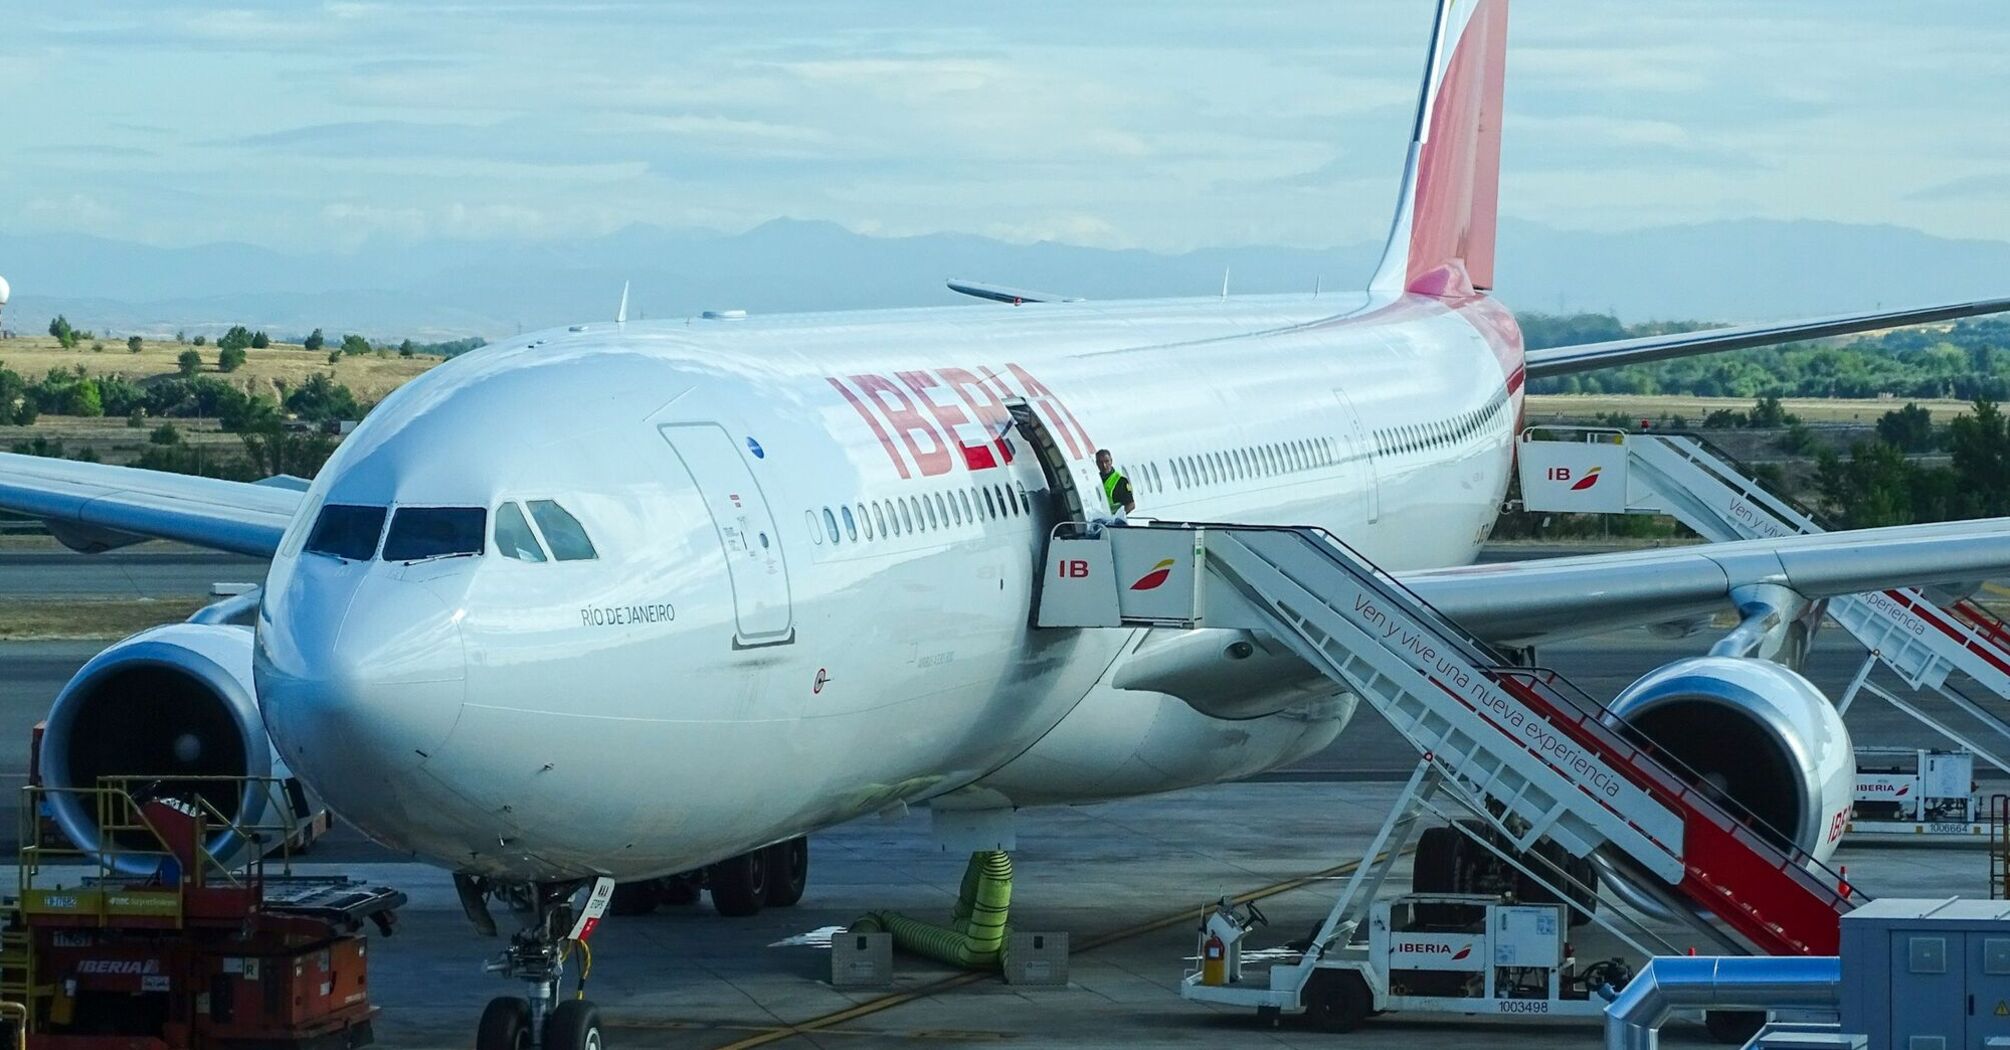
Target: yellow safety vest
1110, 487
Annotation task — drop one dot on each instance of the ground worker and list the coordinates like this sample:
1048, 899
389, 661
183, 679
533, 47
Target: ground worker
1115, 485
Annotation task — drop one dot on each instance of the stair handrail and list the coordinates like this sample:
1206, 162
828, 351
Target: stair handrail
1674, 780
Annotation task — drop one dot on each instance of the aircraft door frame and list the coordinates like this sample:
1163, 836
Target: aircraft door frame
744, 523
1357, 436
1063, 493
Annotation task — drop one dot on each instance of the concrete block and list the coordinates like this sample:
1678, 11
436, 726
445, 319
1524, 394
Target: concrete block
862, 960
1036, 959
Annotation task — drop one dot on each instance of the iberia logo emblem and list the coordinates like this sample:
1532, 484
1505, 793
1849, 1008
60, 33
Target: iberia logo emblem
1462, 953
1153, 579
1587, 481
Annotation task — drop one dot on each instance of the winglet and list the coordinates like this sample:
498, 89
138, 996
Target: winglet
621, 314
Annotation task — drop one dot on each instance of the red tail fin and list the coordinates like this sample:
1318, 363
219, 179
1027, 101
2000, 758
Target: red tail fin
1442, 242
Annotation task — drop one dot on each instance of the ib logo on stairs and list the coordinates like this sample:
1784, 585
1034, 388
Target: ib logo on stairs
1155, 578
1562, 474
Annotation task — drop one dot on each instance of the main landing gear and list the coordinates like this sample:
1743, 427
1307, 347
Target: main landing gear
772, 876
551, 932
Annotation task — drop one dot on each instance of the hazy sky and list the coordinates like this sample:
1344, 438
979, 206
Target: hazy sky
1159, 124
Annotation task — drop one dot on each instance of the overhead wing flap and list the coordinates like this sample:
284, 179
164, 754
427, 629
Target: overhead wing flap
1563, 360
1522, 603
104, 503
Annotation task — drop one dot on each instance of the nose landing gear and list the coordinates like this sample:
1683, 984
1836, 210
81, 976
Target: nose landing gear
551, 933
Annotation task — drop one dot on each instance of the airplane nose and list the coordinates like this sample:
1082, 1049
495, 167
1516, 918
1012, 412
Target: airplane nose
359, 679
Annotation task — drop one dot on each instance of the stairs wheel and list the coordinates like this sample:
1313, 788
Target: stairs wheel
1337, 1000
1436, 866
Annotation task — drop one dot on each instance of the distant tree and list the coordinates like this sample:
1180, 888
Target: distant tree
238, 338
121, 396
321, 399
1870, 488
165, 434
133, 344
136, 419
97, 347
201, 339
189, 361
1979, 445
1908, 429
229, 358
405, 349
40, 445
83, 400
181, 338
355, 345
313, 342
260, 341
1768, 414
334, 357
66, 337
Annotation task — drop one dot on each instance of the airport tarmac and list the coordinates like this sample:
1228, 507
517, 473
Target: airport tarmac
1125, 879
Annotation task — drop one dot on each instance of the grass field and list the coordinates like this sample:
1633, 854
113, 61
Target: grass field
91, 617
1544, 408
370, 376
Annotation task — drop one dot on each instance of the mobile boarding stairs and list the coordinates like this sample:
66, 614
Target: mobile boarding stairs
1589, 470
1515, 748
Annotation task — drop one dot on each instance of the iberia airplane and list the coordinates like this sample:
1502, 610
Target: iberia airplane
627, 600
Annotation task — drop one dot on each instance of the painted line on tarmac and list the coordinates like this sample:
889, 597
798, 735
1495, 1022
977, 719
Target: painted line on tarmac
888, 1002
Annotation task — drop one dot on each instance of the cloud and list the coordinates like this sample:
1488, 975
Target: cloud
1982, 186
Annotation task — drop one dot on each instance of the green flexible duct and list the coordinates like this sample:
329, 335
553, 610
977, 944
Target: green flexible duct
975, 936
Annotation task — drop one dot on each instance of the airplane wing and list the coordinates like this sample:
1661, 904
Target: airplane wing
1562, 360
999, 293
1524, 603
96, 506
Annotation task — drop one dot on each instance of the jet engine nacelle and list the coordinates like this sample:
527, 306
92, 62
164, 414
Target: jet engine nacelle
171, 702
1759, 734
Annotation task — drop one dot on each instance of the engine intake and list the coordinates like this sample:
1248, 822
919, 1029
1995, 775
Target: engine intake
1759, 735
163, 707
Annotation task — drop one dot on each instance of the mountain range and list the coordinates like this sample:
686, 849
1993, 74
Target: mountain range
1723, 271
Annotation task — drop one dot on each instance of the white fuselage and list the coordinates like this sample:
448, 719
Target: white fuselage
733, 666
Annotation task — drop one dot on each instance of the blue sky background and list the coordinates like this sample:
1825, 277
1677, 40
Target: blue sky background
1158, 125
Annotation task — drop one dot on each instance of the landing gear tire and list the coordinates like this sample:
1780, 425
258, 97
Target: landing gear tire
679, 890
740, 884
1337, 1000
635, 898
575, 1025
505, 1025
788, 871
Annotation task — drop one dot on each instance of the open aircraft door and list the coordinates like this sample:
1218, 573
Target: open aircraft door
1065, 480
746, 528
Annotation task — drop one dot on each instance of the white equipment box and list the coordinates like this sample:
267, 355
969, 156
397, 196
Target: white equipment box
1903, 792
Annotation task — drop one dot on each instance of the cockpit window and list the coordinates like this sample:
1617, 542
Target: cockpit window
347, 531
513, 536
561, 530
418, 533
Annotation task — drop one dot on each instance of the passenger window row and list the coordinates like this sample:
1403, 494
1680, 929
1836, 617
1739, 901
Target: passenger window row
1248, 463
1415, 437
870, 521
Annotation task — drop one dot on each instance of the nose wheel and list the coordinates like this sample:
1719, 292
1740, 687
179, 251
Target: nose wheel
552, 934
506, 1025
